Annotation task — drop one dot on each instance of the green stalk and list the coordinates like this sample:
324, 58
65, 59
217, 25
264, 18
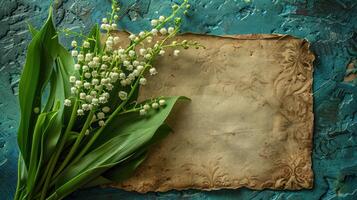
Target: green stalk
76, 144
17, 194
44, 175
132, 46
56, 155
117, 110
115, 113
96, 135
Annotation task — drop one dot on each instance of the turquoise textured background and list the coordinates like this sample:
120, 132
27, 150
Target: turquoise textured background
330, 26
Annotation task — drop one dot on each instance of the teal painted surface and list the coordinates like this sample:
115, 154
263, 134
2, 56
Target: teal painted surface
330, 26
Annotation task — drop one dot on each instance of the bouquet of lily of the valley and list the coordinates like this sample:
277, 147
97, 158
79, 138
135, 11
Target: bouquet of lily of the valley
81, 124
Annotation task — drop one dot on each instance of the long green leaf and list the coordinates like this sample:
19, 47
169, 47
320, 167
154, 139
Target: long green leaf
95, 44
100, 180
32, 29
21, 179
117, 173
124, 136
125, 170
133, 121
35, 76
45, 126
60, 86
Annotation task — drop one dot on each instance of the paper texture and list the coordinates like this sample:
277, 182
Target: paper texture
249, 123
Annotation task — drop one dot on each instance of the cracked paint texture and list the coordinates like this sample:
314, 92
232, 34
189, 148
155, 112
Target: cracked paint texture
329, 25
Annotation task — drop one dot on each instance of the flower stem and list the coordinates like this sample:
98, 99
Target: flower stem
17, 194
115, 113
75, 146
44, 175
56, 155
132, 46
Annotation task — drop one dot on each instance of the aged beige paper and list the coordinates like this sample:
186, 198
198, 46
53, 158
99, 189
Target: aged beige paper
249, 123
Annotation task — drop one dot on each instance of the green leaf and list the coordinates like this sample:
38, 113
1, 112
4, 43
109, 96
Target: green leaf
35, 76
95, 45
32, 29
21, 179
125, 170
72, 138
121, 140
53, 132
42, 139
100, 180
133, 121
60, 87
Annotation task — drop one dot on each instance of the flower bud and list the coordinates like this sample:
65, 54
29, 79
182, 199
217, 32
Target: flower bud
89, 98
142, 51
74, 43
142, 112
67, 102
94, 74
74, 53
82, 95
148, 56
122, 76
85, 68
85, 106
163, 31
80, 112
95, 101
154, 22
162, 102
77, 66
142, 81
175, 7
80, 57
96, 59
154, 31
72, 79
78, 83
140, 68
132, 37
171, 29
74, 90
146, 107
131, 53
153, 71
176, 52
101, 123
123, 95
86, 85
86, 44
106, 109
100, 115
36, 110
114, 26
109, 43
142, 34
155, 105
